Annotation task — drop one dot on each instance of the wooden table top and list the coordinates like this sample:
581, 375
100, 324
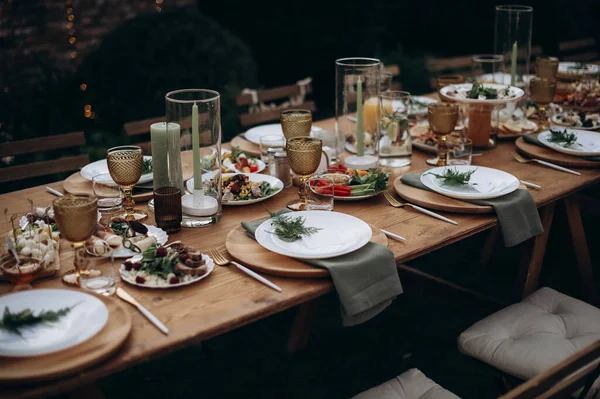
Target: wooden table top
229, 299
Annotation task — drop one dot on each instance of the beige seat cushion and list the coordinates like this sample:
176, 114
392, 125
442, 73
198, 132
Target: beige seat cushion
530, 337
409, 385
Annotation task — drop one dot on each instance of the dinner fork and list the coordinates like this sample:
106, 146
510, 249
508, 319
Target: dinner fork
221, 260
522, 159
397, 204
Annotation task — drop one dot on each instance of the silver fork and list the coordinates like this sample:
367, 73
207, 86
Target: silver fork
397, 204
522, 159
221, 260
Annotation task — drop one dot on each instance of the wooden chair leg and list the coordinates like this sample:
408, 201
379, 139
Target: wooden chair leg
300, 332
533, 255
488, 247
584, 263
91, 391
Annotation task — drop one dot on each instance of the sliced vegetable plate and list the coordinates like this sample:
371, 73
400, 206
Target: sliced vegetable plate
161, 238
275, 184
365, 184
101, 167
586, 143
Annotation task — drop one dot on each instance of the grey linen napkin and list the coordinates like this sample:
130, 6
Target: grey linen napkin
366, 280
535, 141
517, 214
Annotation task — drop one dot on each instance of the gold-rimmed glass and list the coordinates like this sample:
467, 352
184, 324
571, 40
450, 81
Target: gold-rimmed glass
546, 67
125, 165
442, 120
296, 122
542, 92
76, 218
304, 155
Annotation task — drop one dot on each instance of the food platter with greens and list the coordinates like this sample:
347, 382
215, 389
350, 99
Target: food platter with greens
481, 93
580, 143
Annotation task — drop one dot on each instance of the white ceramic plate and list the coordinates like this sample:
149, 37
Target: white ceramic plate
557, 119
340, 235
273, 181
161, 237
99, 167
589, 143
485, 183
83, 321
356, 197
567, 68
254, 134
210, 265
420, 109
451, 92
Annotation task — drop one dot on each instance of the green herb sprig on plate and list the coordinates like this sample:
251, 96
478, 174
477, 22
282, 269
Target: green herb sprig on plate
480, 90
147, 166
15, 322
563, 138
452, 177
290, 229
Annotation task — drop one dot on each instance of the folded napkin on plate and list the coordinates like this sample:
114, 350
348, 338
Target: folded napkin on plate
517, 214
531, 139
366, 280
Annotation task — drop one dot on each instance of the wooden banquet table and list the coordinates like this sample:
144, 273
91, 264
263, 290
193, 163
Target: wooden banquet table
229, 299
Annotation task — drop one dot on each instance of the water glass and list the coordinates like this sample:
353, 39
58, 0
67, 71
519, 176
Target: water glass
97, 274
460, 152
331, 145
319, 194
108, 193
488, 68
270, 141
395, 147
167, 209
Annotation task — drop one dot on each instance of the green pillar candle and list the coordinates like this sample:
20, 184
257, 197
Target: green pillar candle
360, 134
160, 166
196, 149
513, 64
174, 145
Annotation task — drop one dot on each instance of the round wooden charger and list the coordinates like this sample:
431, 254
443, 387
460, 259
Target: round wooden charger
245, 145
555, 157
17, 370
251, 254
430, 200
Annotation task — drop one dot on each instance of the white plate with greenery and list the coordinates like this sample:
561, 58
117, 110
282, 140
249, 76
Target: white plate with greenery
275, 186
476, 93
333, 234
469, 182
70, 318
101, 167
579, 143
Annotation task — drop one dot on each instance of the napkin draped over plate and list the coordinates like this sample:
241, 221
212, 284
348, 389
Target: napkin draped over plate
517, 214
535, 141
366, 280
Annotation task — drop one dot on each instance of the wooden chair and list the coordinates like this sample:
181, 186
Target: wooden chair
292, 95
139, 131
39, 145
394, 70
577, 372
581, 50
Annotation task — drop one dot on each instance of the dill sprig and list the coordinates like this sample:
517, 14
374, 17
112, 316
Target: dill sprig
290, 229
563, 138
14, 322
479, 89
452, 177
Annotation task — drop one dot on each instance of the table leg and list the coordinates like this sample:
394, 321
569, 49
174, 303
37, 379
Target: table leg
533, 256
305, 316
584, 263
488, 247
91, 391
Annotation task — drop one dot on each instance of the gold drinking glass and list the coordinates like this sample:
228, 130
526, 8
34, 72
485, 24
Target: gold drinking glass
76, 218
442, 120
125, 165
296, 122
546, 67
542, 93
304, 154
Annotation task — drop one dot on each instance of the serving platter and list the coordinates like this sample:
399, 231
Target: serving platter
161, 238
451, 93
253, 177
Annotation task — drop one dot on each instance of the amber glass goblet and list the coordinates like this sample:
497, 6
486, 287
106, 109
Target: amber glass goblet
76, 218
442, 120
546, 67
296, 122
542, 92
125, 165
304, 154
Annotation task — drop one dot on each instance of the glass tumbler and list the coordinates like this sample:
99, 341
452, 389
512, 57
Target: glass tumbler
460, 152
488, 68
167, 209
108, 193
395, 147
98, 275
319, 194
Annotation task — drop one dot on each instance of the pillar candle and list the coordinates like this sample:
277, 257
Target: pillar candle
160, 166
196, 149
360, 134
174, 145
513, 64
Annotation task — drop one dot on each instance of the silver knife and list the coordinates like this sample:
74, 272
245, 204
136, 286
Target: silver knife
121, 293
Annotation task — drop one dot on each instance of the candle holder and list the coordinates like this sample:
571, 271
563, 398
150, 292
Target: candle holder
512, 39
193, 132
357, 112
